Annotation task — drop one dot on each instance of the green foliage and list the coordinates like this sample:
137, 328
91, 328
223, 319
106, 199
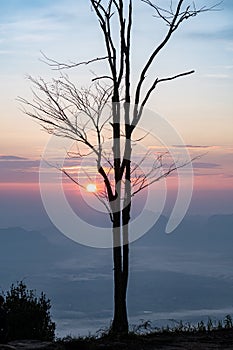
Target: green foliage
28, 316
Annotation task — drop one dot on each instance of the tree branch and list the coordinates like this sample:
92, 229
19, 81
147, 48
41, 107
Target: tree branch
59, 65
146, 180
173, 19
157, 81
80, 185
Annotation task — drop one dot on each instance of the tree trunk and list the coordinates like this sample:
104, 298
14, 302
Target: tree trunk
121, 248
120, 319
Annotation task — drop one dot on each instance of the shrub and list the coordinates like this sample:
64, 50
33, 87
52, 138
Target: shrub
228, 321
28, 316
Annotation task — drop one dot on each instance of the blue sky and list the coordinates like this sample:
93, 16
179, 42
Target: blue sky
200, 106
68, 30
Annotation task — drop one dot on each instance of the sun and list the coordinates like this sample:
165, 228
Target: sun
91, 188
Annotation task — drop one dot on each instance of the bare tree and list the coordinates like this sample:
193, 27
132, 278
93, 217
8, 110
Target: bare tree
67, 111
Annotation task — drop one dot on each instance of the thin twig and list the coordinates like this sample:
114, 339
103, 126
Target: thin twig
59, 65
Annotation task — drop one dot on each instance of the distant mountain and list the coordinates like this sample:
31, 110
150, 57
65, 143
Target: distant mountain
50, 245
194, 233
17, 244
49, 251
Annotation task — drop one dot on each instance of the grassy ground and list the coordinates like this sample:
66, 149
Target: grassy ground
183, 336
215, 339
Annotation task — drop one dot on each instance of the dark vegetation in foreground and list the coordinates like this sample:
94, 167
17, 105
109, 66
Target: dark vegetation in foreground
144, 336
24, 315
29, 318
165, 340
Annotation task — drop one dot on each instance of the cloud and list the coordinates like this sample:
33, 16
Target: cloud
215, 174
14, 176
33, 38
192, 146
19, 164
29, 30
4, 157
199, 165
217, 76
221, 34
18, 169
228, 176
40, 22
230, 66
7, 52
14, 169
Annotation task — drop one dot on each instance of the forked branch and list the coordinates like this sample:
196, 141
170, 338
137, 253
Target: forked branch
173, 18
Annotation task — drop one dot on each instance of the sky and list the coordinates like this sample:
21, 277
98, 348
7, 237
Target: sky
200, 107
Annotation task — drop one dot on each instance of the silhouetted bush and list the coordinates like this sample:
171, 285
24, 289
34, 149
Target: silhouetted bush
28, 316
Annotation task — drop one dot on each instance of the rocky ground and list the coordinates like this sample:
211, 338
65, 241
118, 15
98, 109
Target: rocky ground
218, 339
